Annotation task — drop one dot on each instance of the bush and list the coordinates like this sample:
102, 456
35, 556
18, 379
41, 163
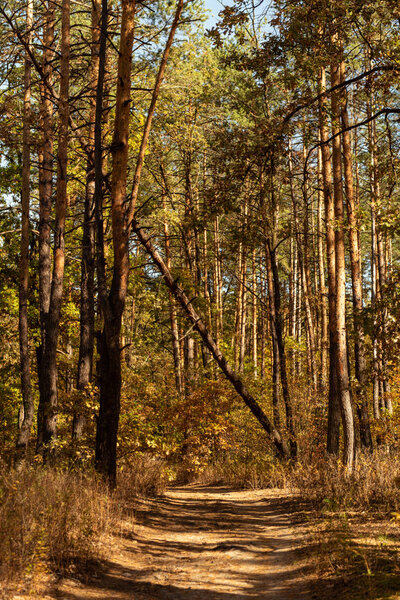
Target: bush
50, 520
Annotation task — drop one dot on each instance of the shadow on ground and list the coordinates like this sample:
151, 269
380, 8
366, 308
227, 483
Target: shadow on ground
207, 543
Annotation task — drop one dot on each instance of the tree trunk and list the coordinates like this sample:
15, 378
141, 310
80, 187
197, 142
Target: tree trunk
112, 304
355, 264
49, 374
87, 308
333, 437
322, 287
271, 265
27, 408
254, 322
274, 339
340, 305
45, 202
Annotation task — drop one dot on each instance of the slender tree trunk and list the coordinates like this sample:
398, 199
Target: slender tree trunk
172, 308
355, 263
340, 313
87, 308
49, 374
374, 275
304, 279
333, 408
322, 287
27, 408
274, 339
271, 262
45, 203
254, 324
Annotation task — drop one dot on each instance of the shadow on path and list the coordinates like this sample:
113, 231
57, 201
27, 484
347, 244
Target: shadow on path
206, 543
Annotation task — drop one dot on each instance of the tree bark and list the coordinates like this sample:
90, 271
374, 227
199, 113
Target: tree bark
356, 276
49, 374
87, 305
45, 203
271, 262
27, 408
112, 303
333, 437
340, 304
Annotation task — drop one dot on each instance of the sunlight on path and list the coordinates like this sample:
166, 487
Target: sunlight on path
202, 543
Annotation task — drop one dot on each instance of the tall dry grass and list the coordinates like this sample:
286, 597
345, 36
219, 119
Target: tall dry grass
49, 520
373, 485
142, 475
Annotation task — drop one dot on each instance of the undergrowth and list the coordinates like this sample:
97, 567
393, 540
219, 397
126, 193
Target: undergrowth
143, 475
50, 520
373, 485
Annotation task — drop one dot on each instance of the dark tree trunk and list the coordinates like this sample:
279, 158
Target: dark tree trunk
45, 203
112, 303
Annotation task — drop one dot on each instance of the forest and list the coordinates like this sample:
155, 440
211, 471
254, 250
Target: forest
200, 287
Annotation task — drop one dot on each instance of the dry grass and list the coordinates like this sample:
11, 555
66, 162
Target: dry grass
50, 520
141, 476
374, 484
257, 473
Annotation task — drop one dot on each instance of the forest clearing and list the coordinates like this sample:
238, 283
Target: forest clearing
199, 294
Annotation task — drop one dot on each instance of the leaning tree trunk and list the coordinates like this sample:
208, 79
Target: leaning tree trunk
200, 327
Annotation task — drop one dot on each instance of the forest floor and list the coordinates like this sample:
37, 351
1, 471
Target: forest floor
213, 543
206, 543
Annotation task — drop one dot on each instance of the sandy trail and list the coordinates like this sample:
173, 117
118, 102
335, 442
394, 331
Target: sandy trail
205, 543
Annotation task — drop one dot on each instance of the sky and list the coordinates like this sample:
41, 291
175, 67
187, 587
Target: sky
214, 6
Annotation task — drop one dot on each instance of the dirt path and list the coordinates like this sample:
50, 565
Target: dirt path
206, 543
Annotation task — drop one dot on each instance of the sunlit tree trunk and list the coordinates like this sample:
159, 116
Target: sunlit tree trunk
355, 264
112, 304
49, 390
87, 306
340, 264
254, 323
324, 338
27, 409
333, 408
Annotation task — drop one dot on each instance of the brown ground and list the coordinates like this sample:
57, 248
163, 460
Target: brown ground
206, 543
